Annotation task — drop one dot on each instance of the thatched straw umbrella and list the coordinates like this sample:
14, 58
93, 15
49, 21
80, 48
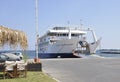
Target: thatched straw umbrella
13, 38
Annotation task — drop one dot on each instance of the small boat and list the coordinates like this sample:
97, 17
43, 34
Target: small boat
63, 41
11, 56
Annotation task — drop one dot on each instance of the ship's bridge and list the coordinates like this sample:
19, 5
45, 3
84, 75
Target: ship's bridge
73, 31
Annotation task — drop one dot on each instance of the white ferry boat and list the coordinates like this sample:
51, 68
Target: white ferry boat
65, 42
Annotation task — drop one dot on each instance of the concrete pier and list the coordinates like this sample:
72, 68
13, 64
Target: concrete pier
83, 70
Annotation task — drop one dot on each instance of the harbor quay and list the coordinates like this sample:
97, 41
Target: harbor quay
83, 69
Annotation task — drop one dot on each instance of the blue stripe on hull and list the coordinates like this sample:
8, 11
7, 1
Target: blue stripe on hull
55, 55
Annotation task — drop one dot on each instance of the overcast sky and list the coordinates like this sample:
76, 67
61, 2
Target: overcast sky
101, 15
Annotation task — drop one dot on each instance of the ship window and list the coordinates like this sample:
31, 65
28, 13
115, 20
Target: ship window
64, 34
51, 34
58, 35
74, 34
59, 28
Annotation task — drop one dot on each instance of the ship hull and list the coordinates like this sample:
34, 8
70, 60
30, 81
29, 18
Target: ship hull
62, 48
65, 48
57, 55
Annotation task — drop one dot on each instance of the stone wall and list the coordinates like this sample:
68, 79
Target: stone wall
30, 67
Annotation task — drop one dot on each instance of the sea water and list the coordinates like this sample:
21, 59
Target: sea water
30, 54
109, 55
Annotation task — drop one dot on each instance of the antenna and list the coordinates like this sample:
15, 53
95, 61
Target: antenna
68, 23
81, 25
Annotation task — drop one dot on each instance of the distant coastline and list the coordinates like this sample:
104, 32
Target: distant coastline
109, 51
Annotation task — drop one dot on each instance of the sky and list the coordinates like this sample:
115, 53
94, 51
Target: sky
101, 15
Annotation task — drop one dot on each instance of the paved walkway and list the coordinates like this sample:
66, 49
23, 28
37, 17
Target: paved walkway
83, 70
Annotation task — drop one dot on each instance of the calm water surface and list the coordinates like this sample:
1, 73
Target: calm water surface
32, 54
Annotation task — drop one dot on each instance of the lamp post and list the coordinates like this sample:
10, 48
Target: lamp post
37, 36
